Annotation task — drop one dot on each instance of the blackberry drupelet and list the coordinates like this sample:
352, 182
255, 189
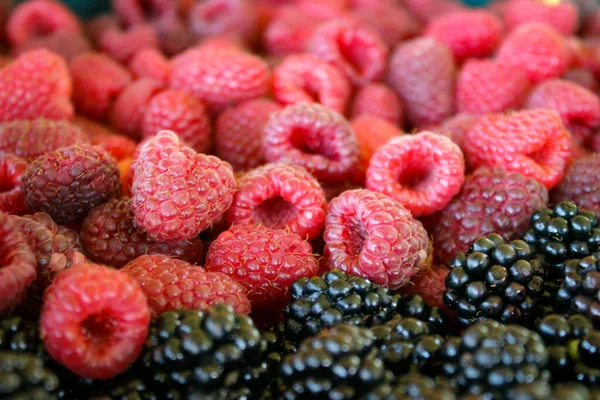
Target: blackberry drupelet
23, 376
495, 280
17, 334
413, 386
579, 292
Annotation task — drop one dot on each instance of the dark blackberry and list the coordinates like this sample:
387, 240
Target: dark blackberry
23, 376
579, 292
573, 391
495, 280
413, 386
19, 335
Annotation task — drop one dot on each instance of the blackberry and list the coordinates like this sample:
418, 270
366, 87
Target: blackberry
19, 335
495, 280
413, 386
23, 376
573, 391
579, 292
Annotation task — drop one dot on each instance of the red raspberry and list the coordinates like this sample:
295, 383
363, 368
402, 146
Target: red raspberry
581, 184
66, 44
426, 10
97, 81
17, 264
353, 47
238, 19
583, 77
422, 171
38, 18
421, 71
173, 34
69, 182
97, 25
94, 320
491, 201
179, 111
117, 145
239, 132
220, 76
370, 235
280, 196
592, 25
392, 22
35, 85
486, 86
122, 44
150, 63
430, 285
323, 9
31, 139
471, 33
135, 11
171, 284
314, 137
456, 128
534, 143
306, 78
290, 31
537, 49
562, 16
177, 192
12, 168
378, 100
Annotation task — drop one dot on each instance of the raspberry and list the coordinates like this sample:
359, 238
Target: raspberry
280, 196
171, 284
456, 128
562, 16
177, 192
181, 112
581, 184
150, 63
239, 132
69, 182
117, 145
266, 261
537, 49
110, 237
430, 285
66, 44
421, 71
353, 47
327, 9
38, 18
122, 44
173, 34
220, 76
422, 171
306, 78
17, 264
290, 31
392, 22
370, 235
97, 81
533, 142
377, 100
468, 33
486, 86
31, 139
490, 201
12, 199
35, 85
135, 11
583, 77
238, 19
94, 320
426, 10
314, 137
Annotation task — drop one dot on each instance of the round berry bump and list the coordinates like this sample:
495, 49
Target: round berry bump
94, 320
373, 236
69, 182
238, 19
378, 100
177, 193
581, 184
422, 171
171, 284
280, 196
314, 137
135, 11
12, 168
562, 16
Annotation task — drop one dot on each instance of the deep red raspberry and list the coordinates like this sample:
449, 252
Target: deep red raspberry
12, 168
392, 22
66, 44
280, 196
537, 49
239, 132
31, 139
117, 145
177, 192
97, 25
150, 63
172, 284
314, 137
377, 100
486, 86
136, 11
352, 46
426, 10
178, 111
290, 31
38, 18
122, 44
94, 320
581, 184
562, 16
491, 201
173, 34
97, 81
35, 85
583, 77
238, 19
456, 128
307, 78
220, 76
421, 71
534, 143
370, 235
430, 285
69, 182
469, 34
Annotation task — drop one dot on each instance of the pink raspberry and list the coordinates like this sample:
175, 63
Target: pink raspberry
280, 196
66, 44
581, 184
392, 22
370, 235
179, 111
171, 284
583, 77
177, 193
266, 261
306, 78
150, 63
314, 137
486, 86
239, 132
562, 16
238, 19
12, 199
290, 31
430, 285
426, 10
119, 146
136, 11
94, 320
123, 44
456, 128
421, 71
534, 143
377, 100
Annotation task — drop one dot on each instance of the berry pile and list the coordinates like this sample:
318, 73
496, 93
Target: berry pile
300, 199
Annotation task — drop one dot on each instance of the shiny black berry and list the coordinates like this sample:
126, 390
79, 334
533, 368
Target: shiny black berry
579, 292
413, 386
24, 376
17, 334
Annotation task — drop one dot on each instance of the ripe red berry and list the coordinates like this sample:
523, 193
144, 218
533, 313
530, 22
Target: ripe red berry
562, 16
430, 285
12, 199
583, 77
390, 20
581, 184
456, 128
378, 100
66, 44
238, 19
117, 145
150, 63
136, 11
123, 43
290, 31
173, 34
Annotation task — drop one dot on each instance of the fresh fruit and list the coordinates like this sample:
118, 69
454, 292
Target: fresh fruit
123, 43
20, 335
150, 63
581, 184
456, 128
579, 292
12, 168
135, 11
430, 285
25, 376
562, 16
238, 19
419, 386
377, 100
